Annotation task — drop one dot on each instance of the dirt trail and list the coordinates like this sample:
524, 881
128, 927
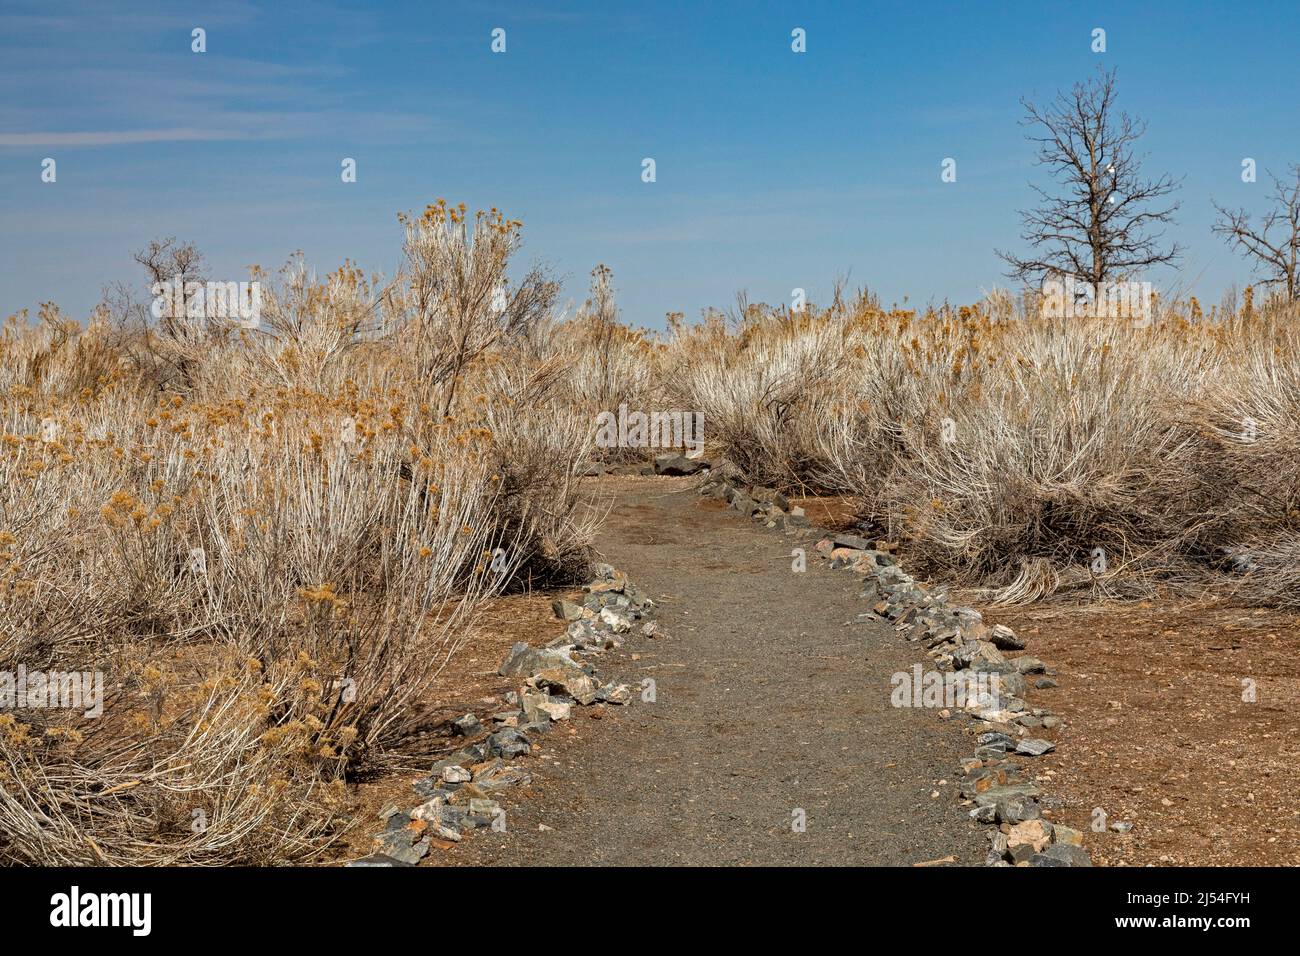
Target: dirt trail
768, 700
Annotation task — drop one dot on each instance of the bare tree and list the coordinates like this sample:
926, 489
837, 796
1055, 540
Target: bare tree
170, 261
1106, 222
1277, 256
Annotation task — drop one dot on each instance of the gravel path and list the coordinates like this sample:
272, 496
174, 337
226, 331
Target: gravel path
768, 700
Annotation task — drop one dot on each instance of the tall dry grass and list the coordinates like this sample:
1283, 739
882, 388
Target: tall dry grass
268, 541
1008, 450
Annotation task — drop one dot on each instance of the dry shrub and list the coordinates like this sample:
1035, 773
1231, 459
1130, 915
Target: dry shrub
1006, 448
269, 542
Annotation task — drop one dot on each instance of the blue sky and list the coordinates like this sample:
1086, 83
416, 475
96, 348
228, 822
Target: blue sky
775, 170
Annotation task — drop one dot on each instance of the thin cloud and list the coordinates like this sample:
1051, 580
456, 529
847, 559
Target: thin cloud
118, 137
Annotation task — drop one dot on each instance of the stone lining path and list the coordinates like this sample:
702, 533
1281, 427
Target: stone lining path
768, 700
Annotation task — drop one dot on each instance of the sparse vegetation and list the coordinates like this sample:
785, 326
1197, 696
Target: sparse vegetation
269, 541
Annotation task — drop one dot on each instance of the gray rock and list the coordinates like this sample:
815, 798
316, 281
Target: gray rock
613, 693
455, 774
1021, 853
581, 634
505, 777
565, 681
1010, 791
1045, 683
1009, 685
744, 504
402, 843
678, 465
1004, 639
1028, 665
566, 610
976, 652
509, 743
1066, 854
619, 622
526, 660
378, 859
430, 788
1034, 747
466, 726
1017, 809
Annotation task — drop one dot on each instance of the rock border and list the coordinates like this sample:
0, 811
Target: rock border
458, 793
968, 654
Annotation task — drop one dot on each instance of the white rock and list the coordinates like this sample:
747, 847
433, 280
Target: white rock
454, 774
617, 622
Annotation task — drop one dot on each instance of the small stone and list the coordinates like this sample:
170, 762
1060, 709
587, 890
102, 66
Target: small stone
1034, 833
650, 629
430, 811
1121, 826
466, 726
543, 706
526, 660
973, 653
1004, 639
1065, 854
1063, 834
852, 541
581, 633
1022, 853
456, 775
678, 465
618, 622
1045, 683
509, 743
405, 840
566, 610
614, 694
616, 583
504, 777
1028, 665
1034, 747
1017, 810
1051, 722
575, 684
378, 859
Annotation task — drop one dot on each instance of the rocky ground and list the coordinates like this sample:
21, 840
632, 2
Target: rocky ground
1181, 748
